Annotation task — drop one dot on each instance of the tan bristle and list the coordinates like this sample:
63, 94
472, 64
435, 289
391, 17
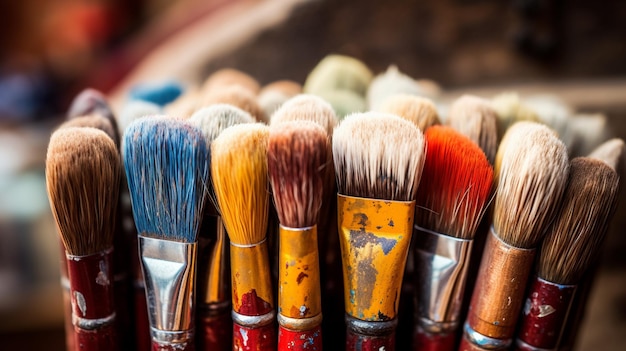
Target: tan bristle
236, 96
92, 121
475, 118
378, 156
455, 186
297, 165
307, 108
416, 109
531, 172
239, 174
228, 77
610, 152
83, 171
510, 109
185, 105
575, 238
285, 87
273, 95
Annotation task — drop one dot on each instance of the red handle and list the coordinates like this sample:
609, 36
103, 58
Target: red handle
214, 330
187, 346
254, 339
142, 324
361, 342
103, 338
425, 341
310, 340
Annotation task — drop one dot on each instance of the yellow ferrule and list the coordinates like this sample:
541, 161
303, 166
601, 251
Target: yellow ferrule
374, 236
298, 273
250, 276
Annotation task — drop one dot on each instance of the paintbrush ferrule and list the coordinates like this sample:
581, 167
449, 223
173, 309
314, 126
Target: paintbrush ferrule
442, 262
250, 279
481, 341
374, 238
299, 323
169, 269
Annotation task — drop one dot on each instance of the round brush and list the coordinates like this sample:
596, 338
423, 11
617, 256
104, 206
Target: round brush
418, 110
475, 118
451, 200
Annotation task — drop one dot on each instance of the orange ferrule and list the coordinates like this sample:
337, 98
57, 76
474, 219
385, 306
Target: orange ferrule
250, 278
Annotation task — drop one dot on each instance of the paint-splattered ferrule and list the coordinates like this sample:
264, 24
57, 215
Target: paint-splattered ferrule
499, 291
250, 279
544, 314
298, 340
374, 238
91, 293
299, 294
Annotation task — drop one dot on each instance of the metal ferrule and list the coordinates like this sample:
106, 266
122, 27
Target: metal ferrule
169, 270
253, 321
377, 328
483, 341
93, 324
300, 323
441, 262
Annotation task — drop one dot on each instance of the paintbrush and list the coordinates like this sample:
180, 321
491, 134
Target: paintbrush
378, 163
511, 109
451, 200
237, 96
82, 176
419, 110
91, 101
213, 322
133, 110
531, 172
239, 174
297, 166
475, 118
166, 162
228, 77
274, 94
571, 244
394, 82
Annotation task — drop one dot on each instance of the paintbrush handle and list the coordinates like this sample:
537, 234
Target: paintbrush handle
214, 329
544, 315
70, 337
361, 342
425, 341
299, 340
142, 324
183, 346
262, 338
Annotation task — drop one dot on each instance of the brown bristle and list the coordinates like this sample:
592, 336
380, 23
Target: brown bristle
475, 118
575, 238
531, 172
229, 77
237, 96
307, 107
455, 186
92, 121
82, 177
610, 152
239, 174
416, 109
297, 165
378, 156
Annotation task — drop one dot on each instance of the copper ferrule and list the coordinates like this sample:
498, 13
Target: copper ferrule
299, 294
169, 270
374, 236
213, 270
441, 262
499, 292
250, 279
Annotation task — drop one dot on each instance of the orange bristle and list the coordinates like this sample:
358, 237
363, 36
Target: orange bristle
455, 186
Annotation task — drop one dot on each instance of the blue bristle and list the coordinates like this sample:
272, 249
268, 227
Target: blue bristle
167, 166
161, 93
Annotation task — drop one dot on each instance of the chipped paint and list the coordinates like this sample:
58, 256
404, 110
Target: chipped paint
80, 301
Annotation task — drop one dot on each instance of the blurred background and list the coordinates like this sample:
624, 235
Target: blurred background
574, 51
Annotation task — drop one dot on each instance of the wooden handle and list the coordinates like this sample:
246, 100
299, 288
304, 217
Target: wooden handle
425, 341
297, 340
361, 342
101, 339
214, 330
254, 339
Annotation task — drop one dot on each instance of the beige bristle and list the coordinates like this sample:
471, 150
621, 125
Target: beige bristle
286, 87
298, 159
475, 118
307, 108
416, 109
92, 121
575, 237
510, 109
344, 102
215, 119
531, 172
83, 170
237, 96
389, 83
228, 77
338, 72
378, 156
610, 152
239, 174
273, 95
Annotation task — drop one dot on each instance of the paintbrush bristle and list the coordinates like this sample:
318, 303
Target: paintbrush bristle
455, 186
239, 174
228, 77
378, 156
610, 152
306, 107
91, 101
92, 121
83, 171
237, 96
297, 165
416, 109
531, 172
133, 110
475, 118
166, 163
575, 238
215, 119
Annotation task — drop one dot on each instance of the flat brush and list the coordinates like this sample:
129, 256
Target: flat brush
82, 176
213, 322
166, 162
297, 166
531, 172
239, 174
451, 200
378, 163
475, 118
571, 244
419, 110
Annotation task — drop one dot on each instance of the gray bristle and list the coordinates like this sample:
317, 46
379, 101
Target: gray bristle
166, 164
134, 110
214, 119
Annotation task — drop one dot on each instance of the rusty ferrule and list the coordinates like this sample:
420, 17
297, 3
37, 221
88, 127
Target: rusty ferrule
169, 270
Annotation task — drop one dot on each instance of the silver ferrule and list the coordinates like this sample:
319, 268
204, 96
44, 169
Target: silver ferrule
372, 328
483, 341
169, 270
254, 321
441, 264
299, 323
